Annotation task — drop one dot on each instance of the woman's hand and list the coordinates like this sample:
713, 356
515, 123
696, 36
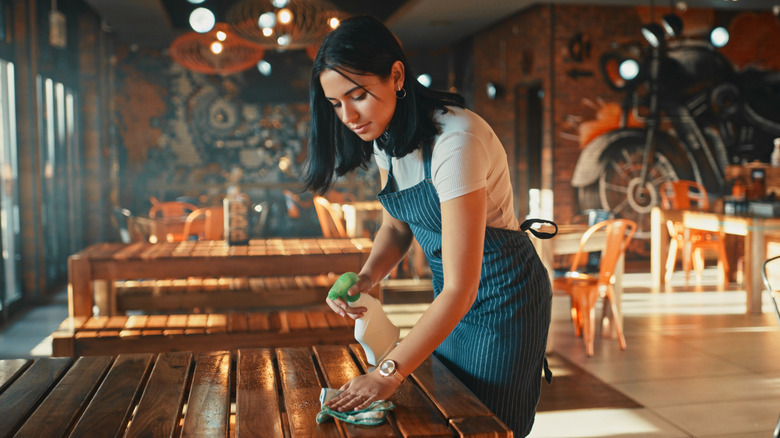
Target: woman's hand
340, 306
363, 390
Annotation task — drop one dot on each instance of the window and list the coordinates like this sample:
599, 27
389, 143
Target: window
10, 235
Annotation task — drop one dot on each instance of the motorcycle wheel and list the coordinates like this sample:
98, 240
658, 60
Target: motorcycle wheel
620, 190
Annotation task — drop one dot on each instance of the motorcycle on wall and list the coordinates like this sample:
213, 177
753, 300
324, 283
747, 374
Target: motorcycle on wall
696, 115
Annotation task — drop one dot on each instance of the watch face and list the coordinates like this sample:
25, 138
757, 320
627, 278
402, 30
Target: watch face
387, 367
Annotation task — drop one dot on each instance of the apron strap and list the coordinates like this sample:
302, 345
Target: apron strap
528, 223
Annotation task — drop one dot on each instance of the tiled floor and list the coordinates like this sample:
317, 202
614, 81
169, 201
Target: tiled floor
698, 365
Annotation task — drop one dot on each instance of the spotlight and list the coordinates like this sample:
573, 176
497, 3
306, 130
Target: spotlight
719, 36
264, 67
653, 33
673, 24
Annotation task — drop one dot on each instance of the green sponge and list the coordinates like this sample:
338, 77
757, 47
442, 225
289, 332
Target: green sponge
342, 285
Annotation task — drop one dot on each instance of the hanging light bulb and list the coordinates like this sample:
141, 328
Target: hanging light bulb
221, 36
280, 3
268, 31
285, 16
628, 69
284, 40
202, 20
334, 22
216, 47
267, 19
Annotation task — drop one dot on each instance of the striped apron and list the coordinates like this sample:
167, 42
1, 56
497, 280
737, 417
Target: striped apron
498, 348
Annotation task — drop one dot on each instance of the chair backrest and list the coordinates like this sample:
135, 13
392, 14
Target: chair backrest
171, 209
330, 220
771, 276
684, 195
213, 223
619, 234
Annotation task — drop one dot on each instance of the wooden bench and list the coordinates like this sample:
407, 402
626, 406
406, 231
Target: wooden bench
101, 335
225, 293
275, 394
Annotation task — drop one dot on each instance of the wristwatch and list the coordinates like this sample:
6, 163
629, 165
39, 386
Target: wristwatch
388, 368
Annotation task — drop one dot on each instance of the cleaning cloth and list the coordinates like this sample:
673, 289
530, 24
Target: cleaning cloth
372, 416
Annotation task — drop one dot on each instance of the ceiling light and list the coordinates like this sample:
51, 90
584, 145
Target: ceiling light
267, 19
202, 20
719, 36
196, 2
673, 24
425, 79
216, 47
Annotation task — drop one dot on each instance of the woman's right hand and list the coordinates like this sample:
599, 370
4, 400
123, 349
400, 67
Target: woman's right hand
340, 306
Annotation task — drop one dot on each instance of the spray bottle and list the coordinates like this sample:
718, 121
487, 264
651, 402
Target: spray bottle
374, 331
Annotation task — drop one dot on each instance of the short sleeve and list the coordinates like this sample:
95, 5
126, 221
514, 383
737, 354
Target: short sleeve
459, 165
381, 158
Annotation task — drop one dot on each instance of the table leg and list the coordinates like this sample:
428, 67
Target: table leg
659, 245
80, 291
754, 259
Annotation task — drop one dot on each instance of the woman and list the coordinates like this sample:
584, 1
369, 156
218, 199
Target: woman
446, 183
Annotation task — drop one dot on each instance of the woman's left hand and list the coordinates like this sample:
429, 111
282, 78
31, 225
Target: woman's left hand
363, 390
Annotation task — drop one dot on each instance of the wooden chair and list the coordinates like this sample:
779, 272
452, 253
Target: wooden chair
171, 209
585, 289
330, 219
213, 224
690, 243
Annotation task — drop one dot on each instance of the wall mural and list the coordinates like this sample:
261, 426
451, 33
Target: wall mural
204, 127
690, 111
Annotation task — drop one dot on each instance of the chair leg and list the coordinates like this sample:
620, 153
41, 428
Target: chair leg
588, 329
616, 320
698, 264
671, 260
723, 263
575, 318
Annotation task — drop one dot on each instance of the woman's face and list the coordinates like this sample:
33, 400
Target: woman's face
364, 103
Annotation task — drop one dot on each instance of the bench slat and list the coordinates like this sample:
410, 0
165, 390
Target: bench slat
62, 406
10, 369
18, 401
208, 407
301, 393
161, 402
257, 397
110, 408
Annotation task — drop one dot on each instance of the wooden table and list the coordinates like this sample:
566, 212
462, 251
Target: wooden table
91, 271
754, 229
249, 393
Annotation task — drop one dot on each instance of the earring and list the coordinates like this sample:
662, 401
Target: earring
400, 93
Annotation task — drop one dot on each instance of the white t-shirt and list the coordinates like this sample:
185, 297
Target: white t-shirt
467, 156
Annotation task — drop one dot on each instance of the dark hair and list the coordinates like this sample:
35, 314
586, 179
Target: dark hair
363, 45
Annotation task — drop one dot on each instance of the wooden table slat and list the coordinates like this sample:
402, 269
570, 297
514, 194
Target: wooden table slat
302, 393
208, 406
160, 405
62, 406
21, 398
110, 408
257, 399
413, 414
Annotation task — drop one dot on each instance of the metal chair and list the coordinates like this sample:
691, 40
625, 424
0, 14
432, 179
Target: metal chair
213, 224
330, 219
774, 294
690, 195
586, 289
171, 209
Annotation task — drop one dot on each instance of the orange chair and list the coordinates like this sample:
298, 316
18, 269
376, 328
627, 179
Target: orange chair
213, 224
330, 219
171, 209
691, 195
586, 289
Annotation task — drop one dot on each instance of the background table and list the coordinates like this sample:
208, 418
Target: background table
91, 271
754, 229
223, 394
